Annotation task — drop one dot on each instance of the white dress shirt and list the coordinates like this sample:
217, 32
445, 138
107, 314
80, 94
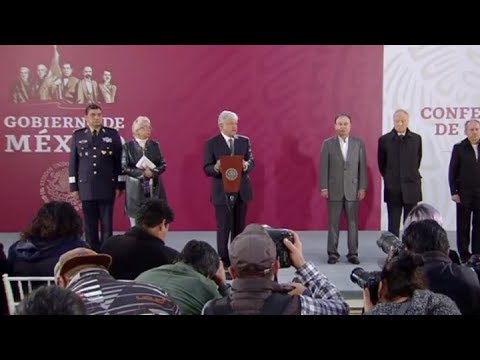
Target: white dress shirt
343, 147
475, 148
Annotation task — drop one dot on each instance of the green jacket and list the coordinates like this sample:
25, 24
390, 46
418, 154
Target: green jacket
189, 289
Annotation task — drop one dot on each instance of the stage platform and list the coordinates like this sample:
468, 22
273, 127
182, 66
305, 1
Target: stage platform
314, 248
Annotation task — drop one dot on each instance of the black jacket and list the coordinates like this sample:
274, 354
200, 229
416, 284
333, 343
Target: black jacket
136, 251
399, 162
214, 149
458, 282
132, 152
464, 174
38, 257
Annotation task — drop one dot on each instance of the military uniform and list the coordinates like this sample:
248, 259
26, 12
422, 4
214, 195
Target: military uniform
95, 171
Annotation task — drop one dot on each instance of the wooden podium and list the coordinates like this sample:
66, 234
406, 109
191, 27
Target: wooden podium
232, 168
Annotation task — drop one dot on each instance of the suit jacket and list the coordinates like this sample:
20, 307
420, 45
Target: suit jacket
132, 152
83, 96
343, 178
464, 174
95, 168
214, 149
107, 93
399, 162
68, 92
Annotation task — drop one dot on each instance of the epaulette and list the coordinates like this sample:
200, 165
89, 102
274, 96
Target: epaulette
78, 130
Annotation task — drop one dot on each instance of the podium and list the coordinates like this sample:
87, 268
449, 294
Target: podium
232, 168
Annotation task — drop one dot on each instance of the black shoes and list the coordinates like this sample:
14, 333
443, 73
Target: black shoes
332, 260
351, 259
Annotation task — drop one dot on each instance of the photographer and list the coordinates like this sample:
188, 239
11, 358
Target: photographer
458, 282
254, 264
402, 290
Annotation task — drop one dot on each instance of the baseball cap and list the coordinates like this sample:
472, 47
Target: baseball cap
253, 249
81, 256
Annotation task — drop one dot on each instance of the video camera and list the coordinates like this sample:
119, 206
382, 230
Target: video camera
367, 280
389, 243
277, 236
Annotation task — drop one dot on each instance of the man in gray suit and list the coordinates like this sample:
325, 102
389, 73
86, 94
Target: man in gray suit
343, 182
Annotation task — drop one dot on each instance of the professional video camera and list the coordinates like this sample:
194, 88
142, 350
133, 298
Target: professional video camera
389, 243
277, 236
367, 280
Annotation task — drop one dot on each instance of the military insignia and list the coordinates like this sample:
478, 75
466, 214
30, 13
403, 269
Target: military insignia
86, 153
103, 152
231, 174
110, 152
107, 139
82, 141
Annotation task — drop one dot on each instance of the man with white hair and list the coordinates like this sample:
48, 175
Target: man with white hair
22, 89
227, 142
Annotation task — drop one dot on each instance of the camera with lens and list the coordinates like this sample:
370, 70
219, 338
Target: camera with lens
277, 236
389, 243
367, 280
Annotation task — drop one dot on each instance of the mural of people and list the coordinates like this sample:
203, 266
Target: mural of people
22, 89
107, 89
87, 88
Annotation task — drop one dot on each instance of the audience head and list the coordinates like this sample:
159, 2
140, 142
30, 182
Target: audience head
253, 254
51, 300
54, 220
201, 256
73, 261
401, 276
155, 215
423, 212
425, 235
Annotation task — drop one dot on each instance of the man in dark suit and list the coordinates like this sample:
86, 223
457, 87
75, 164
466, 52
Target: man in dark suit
399, 158
228, 143
343, 182
95, 174
464, 181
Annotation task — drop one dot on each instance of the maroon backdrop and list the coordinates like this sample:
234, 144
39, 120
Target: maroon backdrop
286, 98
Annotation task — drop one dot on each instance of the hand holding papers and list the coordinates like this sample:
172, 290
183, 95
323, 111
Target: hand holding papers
145, 163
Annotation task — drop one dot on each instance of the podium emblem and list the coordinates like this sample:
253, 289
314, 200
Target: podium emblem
231, 174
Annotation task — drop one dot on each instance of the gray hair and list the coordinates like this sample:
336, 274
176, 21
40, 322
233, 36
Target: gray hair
140, 122
423, 212
401, 111
468, 122
224, 115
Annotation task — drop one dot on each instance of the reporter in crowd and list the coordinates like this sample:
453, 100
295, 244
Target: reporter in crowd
403, 291
254, 265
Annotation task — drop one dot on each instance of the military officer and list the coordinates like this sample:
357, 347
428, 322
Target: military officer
95, 174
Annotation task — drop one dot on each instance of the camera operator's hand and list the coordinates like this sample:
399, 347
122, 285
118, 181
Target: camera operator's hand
295, 250
298, 289
367, 303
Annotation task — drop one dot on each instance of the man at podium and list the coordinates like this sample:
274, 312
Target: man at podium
230, 206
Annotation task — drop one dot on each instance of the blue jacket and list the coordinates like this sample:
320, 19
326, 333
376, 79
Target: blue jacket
95, 169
